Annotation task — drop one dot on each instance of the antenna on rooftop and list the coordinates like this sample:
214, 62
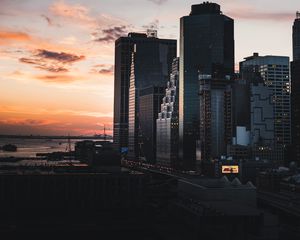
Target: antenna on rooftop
152, 32
104, 133
298, 15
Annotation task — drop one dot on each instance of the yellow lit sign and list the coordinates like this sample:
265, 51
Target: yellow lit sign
230, 169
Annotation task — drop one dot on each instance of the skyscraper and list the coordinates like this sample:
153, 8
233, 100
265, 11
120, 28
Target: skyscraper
253, 110
123, 55
206, 46
296, 38
295, 95
167, 122
149, 106
150, 69
262, 123
274, 71
215, 101
124, 46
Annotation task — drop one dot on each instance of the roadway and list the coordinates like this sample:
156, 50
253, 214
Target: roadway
166, 171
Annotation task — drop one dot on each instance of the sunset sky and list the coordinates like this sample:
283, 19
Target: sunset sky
56, 57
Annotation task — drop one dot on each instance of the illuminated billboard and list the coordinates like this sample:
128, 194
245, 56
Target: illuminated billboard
230, 169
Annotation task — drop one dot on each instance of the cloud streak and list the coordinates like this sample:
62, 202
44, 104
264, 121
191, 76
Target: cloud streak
109, 35
50, 21
158, 2
104, 69
75, 12
28, 122
8, 36
51, 61
58, 78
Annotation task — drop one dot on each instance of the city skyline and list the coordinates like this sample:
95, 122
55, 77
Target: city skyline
56, 61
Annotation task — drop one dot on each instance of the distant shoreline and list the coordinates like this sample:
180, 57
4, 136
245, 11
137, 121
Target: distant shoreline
56, 137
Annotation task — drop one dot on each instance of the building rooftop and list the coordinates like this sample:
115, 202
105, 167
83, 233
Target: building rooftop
205, 8
224, 183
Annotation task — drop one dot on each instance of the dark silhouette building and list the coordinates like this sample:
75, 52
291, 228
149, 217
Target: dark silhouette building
123, 50
215, 116
295, 95
206, 48
99, 155
149, 105
150, 68
296, 38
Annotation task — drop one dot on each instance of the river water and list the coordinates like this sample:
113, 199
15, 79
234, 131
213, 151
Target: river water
30, 147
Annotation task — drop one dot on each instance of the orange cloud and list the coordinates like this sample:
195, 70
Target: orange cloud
58, 78
9, 36
75, 12
29, 122
103, 28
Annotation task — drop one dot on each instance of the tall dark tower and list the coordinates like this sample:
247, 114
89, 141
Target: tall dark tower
150, 69
295, 93
123, 52
296, 38
156, 61
207, 49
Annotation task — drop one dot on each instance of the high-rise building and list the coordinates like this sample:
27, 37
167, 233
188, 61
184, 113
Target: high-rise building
274, 71
123, 51
167, 122
296, 38
215, 116
149, 106
206, 45
253, 108
262, 123
124, 47
150, 68
295, 92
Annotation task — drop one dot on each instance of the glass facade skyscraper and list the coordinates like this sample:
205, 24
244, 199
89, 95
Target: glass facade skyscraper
150, 68
159, 53
167, 122
296, 38
295, 95
206, 46
123, 58
149, 106
215, 116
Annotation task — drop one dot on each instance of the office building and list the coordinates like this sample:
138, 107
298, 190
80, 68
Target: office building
206, 46
295, 93
150, 68
274, 71
167, 122
262, 112
98, 155
215, 96
123, 50
253, 117
149, 106
296, 38
262, 134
